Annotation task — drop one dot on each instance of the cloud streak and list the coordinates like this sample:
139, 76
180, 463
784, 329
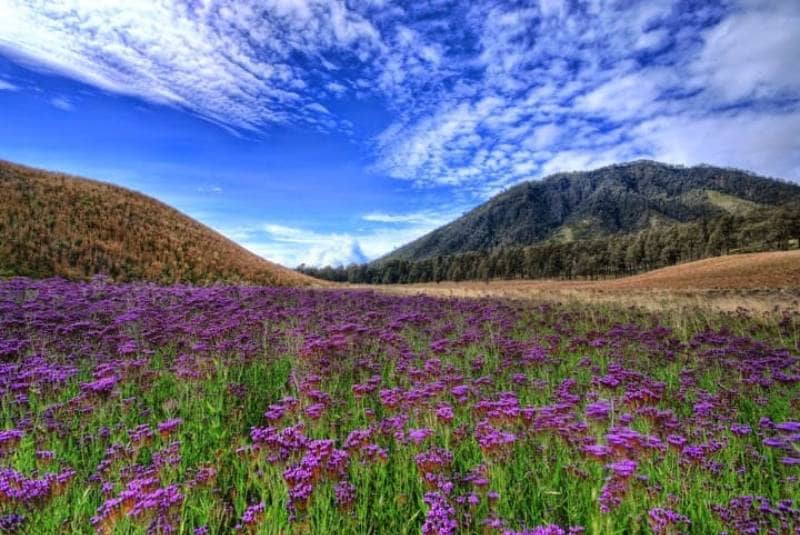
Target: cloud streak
62, 104
230, 62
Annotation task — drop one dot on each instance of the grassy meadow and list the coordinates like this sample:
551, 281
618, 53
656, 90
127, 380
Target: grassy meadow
137, 408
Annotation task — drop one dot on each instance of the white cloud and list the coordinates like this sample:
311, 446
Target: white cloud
382, 233
652, 40
753, 52
423, 218
317, 107
336, 88
7, 86
543, 137
768, 142
628, 96
293, 246
209, 189
62, 104
229, 61
583, 160
343, 254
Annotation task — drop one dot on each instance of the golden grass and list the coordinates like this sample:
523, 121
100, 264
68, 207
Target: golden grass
760, 282
56, 224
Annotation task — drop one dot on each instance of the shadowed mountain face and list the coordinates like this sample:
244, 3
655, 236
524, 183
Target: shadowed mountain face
57, 225
616, 199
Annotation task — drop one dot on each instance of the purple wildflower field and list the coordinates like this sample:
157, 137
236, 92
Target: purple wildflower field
137, 408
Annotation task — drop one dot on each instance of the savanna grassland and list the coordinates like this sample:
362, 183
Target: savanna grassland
134, 408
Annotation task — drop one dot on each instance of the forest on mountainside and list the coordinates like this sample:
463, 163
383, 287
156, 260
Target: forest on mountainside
589, 205
610, 256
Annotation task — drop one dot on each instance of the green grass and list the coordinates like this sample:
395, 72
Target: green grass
541, 479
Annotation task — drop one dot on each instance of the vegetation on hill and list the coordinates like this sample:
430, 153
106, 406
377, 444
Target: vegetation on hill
55, 224
618, 199
616, 255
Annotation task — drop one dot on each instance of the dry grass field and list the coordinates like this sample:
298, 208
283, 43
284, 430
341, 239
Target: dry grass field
758, 282
52, 224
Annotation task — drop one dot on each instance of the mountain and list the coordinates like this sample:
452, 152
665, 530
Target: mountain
617, 199
53, 224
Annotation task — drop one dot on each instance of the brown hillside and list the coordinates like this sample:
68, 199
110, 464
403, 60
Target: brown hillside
56, 224
758, 281
771, 270
779, 269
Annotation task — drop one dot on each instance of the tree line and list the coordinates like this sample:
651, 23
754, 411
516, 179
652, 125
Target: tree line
604, 257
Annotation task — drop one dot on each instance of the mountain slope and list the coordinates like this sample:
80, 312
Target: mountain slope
615, 199
55, 224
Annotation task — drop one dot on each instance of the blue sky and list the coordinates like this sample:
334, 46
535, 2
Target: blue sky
331, 131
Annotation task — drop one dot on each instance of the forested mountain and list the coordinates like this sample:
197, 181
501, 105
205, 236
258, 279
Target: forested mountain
615, 255
54, 224
618, 199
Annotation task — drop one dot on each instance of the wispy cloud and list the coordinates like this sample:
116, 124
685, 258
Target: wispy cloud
752, 53
565, 85
427, 217
209, 189
62, 104
231, 62
7, 86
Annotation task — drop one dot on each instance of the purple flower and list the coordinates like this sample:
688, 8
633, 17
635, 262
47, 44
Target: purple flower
314, 411
445, 413
344, 494
418, 436
623, 469
676, 441
612, 493
550, 529
434, 460
740, 429
774, 442
492, 440
8, 439
167, 427
440, 519
252, 515
103, 385
141, 433
661, 520
598, 451
11, 523
126, 348
788, 427
598, 410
